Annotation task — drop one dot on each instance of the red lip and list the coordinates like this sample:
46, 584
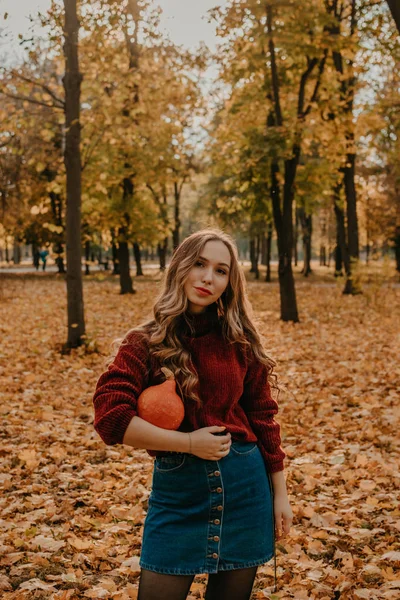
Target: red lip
203, 290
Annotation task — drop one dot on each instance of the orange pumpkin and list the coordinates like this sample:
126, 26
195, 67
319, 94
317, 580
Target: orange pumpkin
161, 405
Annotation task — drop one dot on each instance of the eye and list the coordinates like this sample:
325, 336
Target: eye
199, 263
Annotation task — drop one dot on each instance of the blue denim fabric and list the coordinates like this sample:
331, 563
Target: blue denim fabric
209, 516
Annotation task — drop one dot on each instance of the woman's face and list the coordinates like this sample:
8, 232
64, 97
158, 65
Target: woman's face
211, 273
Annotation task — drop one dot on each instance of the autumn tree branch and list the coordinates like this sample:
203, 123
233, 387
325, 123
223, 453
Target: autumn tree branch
59, 102
314, 96
91, 148
27, 99
154, 193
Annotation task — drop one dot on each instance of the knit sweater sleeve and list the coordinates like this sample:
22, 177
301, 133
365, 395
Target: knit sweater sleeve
118, 388
260, 408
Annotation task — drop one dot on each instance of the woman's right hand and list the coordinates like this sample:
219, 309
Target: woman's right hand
207, 445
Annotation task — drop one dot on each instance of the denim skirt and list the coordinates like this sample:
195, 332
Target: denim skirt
206, 516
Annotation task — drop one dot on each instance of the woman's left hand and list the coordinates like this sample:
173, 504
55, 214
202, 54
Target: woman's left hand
283, 515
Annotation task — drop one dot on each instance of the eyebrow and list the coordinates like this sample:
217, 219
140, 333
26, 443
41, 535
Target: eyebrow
206, 260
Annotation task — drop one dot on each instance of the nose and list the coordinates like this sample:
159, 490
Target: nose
207, 275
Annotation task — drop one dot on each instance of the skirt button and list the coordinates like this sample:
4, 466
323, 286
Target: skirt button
217, 521
217, 473
216, 538
219, 490
215, 555
220, 507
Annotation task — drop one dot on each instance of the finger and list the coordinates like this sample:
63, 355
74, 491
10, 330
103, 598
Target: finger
278, 525
216, 428
286, 525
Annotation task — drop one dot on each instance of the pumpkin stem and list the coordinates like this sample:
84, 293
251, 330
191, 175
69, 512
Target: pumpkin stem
168, 373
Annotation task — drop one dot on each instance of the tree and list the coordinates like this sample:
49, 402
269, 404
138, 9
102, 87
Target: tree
281, 49
72, 156
340, 12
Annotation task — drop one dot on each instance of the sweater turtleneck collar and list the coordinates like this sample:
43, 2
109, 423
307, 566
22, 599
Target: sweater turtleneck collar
201, 323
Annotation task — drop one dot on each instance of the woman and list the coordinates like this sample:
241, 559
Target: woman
218, 485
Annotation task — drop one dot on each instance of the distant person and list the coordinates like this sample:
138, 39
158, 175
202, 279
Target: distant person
43, 256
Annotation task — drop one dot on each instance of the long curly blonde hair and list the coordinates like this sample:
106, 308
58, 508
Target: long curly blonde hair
235, 314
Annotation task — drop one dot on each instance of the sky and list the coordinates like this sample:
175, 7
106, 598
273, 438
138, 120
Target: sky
184, 20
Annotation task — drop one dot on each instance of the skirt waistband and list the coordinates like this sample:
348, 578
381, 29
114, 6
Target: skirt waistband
173, 453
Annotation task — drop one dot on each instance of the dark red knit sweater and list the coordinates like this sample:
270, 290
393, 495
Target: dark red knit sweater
233, 387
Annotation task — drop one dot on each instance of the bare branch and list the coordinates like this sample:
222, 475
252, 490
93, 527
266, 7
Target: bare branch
311, 65
58, 100
182, 184
91, 148
31, 100
314, 96
155, 195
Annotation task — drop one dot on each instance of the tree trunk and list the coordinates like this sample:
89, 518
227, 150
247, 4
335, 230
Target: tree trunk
268, 253
123, 241
114, 253
347, 80
348, 259
283, 226
306, 227
123, 258
257, 255
307, 246
72, 158
351, 205
283, 217
87, 257
163, 208
263, 253
138, 260
35, 255
322, 247
162, 253
56, 201
295, 239
341, 236
338, 260
397, 248
16, 254
177, 221
56, 209
394, 6
322, 256
253, 255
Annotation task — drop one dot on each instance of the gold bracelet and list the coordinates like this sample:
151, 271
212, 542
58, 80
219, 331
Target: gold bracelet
190, 443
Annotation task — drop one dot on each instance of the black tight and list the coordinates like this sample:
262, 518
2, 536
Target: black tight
231, 585
225, 585
157, 586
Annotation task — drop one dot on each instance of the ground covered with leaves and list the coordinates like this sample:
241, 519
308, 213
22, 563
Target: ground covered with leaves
72, 509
